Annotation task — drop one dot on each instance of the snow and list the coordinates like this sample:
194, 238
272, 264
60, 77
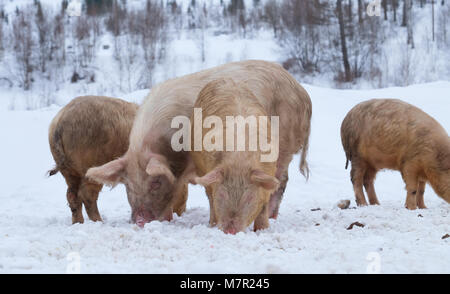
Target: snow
428, 62
36, 234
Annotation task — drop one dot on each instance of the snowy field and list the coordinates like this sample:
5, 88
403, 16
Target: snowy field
36, 235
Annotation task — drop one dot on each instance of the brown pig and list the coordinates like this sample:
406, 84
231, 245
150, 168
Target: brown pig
156, 175
392, 134
87, 132
238, 183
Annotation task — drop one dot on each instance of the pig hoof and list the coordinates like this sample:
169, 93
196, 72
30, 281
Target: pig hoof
77, 221
255, 229
274, 215
410, 207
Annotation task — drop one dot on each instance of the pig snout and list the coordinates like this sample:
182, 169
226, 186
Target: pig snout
143, 217
230, 228
231, 231
146, 216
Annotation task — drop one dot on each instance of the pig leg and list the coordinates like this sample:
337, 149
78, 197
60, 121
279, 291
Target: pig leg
89, 194
357, 176
180, 204
277, 196
420, 192
212, 213
282, 175
262, 220
411, 179
75, 204
369, 179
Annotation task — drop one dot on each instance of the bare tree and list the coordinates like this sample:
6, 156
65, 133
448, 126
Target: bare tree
203, 25
58, 50
360, 11
176, 16
432, 17
443, 24
406, 71
116, 20
394, 9
43, 26
300, 34
236, 15
255, 16
384, 3
153, 36
22, 36
126, 52
243, 21
1, 33
84, 46
272, 15
409, 23
347, 72
404, 14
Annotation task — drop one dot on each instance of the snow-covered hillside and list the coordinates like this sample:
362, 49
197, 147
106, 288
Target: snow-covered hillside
193, 40
36, 235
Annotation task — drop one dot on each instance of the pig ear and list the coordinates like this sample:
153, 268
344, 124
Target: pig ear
157, 168
213, 176
109, 174
264, 180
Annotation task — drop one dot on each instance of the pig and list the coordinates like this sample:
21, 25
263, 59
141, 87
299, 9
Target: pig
156, 175
237, 183
88, 131
392, 134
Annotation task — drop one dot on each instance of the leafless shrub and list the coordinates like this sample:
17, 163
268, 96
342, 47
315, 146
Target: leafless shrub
43, 26
406, 70
255, 17
126, 53
301, 33
58, 40
22, 37
443, 24
57, 50
140, 45
1, 32
362, 46
176, 16
85, 49
272, 15
116, 21
153, 32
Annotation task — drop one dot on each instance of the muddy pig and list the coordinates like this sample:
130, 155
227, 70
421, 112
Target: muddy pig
392, 134
87, 132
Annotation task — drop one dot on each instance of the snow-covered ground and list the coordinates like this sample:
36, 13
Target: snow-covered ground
36, 235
